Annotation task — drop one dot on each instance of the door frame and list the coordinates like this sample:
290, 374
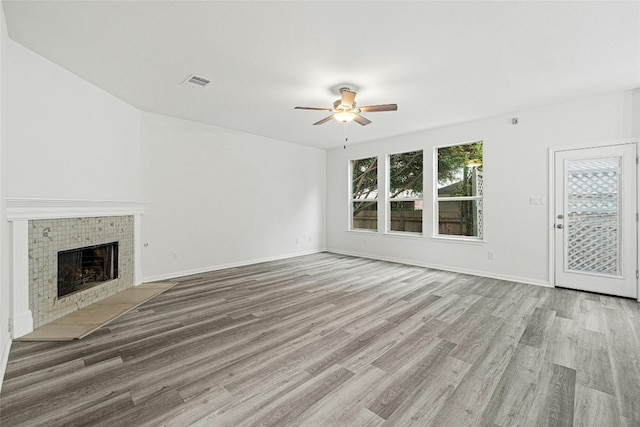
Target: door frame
552, 208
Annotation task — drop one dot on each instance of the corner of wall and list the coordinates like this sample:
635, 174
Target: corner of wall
635, 112
5, 334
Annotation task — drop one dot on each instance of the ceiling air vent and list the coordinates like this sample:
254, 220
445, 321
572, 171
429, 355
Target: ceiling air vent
196, 81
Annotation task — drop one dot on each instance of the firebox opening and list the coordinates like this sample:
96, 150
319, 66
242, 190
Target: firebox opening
84, 268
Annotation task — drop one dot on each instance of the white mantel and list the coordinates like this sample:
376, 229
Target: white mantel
21, 210
30, 209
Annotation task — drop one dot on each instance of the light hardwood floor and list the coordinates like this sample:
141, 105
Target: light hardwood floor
326, 340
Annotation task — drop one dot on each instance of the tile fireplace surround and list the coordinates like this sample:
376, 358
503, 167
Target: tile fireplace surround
49, 236
42, 227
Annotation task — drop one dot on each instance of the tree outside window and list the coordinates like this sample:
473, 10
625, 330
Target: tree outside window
364, 194
459, 178
405, 192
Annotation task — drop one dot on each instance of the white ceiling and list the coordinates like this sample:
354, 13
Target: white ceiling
441, 62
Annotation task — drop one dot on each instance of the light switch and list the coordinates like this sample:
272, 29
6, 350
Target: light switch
534, 200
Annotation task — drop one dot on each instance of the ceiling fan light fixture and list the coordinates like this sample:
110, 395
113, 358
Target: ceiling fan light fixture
344, 109
344, 116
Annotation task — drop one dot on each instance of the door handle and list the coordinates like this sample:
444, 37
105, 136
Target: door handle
559, 226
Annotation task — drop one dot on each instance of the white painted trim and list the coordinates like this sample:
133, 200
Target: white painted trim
435, 205
525, 280
137, 250
184, 273
404, 235
33, 209
467, 240
386, 211
458, 198
380, 215
4, 354
21, 316
551, 197
363, 231
637, 142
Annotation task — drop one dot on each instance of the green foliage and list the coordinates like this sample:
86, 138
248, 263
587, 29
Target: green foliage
456, 166
456, 162
406, 174
365, 178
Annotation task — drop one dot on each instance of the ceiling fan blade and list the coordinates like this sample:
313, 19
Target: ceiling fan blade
325, 120
313, 108
376, 108
347, 97
361, 120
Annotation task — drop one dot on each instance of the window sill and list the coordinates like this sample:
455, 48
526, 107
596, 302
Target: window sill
463, 240
402, 235
363, 231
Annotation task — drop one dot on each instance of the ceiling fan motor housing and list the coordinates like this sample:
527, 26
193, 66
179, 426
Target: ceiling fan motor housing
339, 106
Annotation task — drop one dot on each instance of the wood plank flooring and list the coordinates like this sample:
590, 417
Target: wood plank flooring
331, 340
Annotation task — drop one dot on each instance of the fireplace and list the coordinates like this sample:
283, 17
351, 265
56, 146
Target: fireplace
40, 228
48, 238
83, 268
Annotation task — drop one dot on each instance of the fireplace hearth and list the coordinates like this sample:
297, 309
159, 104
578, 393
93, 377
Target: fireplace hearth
83, 268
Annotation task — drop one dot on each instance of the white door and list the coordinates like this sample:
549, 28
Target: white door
595, 220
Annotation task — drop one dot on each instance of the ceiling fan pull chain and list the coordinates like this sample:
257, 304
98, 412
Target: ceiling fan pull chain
346, 136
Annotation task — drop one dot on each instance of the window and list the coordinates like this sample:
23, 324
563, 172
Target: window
459, 178
364, 194
405, 192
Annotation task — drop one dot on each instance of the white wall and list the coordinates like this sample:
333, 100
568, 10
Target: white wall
636, 112
516, 167
67, 139
222, 198
5, 291
61, 138
218, 198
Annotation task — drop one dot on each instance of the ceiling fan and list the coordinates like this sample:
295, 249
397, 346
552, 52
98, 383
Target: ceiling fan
344, 109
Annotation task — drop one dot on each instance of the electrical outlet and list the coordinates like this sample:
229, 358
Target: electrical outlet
174, 255
490, 256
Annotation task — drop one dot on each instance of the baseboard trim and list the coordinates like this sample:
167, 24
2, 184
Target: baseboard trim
183, 273
6, 348
488, 274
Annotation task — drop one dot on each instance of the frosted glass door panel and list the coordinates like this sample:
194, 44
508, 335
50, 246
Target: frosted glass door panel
593, 220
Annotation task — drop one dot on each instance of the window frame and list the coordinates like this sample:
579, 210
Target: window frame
389, 199
352, 200
437, 199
